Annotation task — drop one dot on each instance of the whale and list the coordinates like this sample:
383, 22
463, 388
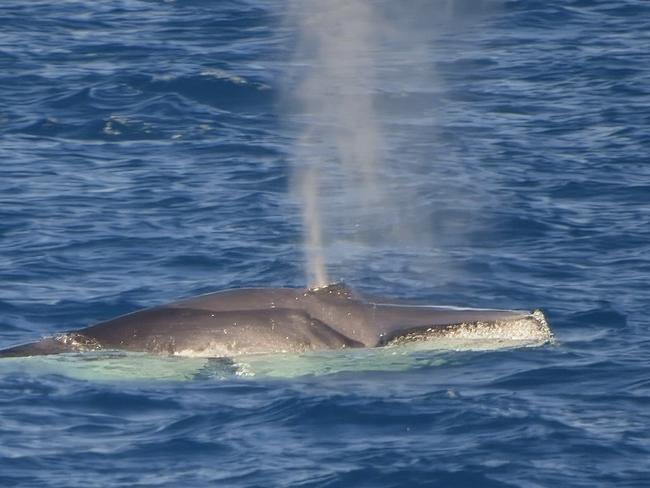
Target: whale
280, 320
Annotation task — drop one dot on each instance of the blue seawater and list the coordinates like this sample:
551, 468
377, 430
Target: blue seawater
145, 156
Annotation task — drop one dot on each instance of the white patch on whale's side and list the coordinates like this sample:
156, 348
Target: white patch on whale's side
529, 330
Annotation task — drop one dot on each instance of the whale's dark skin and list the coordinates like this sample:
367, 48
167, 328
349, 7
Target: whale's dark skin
265, 320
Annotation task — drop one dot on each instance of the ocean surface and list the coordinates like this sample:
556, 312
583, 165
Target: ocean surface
146, 154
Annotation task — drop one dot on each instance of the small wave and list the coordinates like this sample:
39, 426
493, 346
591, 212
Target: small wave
214, 87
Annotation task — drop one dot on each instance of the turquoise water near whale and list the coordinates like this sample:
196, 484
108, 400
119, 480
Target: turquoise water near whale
145, 155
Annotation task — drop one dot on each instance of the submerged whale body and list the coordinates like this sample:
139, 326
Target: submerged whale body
274, 320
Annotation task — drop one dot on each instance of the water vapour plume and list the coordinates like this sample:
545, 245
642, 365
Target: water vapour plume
359, 66
316, 271
340, 135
